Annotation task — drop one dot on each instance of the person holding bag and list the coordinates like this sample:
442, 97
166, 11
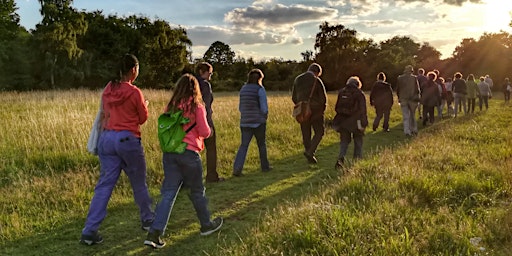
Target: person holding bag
124, 110
309, 87
350, 124
185, 169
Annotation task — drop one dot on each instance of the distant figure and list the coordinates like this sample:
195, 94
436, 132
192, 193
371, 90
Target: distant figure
350, 124
120, 148
489, 81
203, 75
421, 79
473, 92
430, 98
381, 97
442, 93
485, 92
185, 169
507, 88
253, 109
302, 88
408, 92
449, 96
459, 88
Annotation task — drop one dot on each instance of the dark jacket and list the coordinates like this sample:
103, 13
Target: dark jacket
459, 86
430, 96
206, 91
381, 95
302, 88
349, 123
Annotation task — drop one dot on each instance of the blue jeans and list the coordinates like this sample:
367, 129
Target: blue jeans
181, 169
346, 138
118, 150
247, 134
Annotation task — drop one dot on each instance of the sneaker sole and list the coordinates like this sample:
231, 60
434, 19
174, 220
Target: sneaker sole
153, 244
90, 242
209, 232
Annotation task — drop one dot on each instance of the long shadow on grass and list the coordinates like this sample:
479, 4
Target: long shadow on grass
291, 180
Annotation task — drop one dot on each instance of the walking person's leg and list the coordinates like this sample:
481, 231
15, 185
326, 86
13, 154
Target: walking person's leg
260, 135
246, 137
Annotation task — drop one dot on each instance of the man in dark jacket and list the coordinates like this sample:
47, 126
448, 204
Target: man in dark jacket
381, 97
306, 84
204, 72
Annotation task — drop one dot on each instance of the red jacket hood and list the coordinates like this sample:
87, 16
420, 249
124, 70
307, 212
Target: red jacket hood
118, 93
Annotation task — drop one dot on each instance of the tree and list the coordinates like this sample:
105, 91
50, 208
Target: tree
221, 57
14, 50
56, 37
336, 47
219, 53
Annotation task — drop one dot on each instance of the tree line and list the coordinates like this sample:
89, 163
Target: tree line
77, 49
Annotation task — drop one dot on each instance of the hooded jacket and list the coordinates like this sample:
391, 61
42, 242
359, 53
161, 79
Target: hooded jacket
124, 108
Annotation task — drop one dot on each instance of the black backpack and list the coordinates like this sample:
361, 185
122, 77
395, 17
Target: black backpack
347, 103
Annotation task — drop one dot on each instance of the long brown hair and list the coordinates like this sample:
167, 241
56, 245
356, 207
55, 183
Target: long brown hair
186, 92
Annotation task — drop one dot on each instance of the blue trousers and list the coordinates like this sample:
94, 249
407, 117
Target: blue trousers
119, 150
247, 133
345, 139
181, 170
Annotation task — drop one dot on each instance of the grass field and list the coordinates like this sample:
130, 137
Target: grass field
444, 192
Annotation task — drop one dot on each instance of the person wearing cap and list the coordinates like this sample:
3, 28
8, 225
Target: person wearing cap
408, 92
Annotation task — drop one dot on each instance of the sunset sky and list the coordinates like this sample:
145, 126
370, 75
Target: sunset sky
265, 29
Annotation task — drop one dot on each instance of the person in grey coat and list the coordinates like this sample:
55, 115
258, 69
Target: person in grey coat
408, 92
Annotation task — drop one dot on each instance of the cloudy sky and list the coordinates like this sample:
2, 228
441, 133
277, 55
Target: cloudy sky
265, 29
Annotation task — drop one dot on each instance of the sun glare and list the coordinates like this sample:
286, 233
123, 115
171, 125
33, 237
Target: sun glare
497, 14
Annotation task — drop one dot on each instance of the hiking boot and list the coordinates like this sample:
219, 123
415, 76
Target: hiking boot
146, 225
153, 239
219, 179
311, 158
91, 239
339, 164
267, 169
214, 226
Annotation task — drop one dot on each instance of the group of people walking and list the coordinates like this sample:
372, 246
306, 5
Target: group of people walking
124, 110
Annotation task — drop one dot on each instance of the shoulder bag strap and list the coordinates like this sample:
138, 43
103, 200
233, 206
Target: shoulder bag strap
312, 90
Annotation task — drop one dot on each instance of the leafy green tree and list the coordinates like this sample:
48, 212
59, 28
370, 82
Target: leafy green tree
221, 57
14, 50
56, 36
336, 48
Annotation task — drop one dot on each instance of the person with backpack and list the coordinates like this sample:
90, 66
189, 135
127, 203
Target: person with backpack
253, 109
185, 169
381, 97
351, 119
309, 87
408, 92
120, 148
